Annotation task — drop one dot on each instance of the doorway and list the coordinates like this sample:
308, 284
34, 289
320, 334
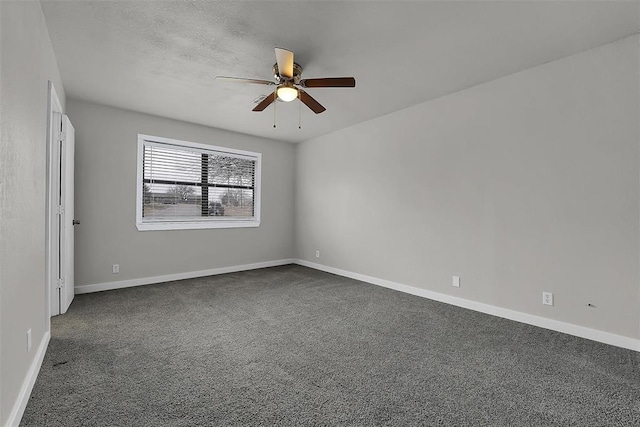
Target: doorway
60, 208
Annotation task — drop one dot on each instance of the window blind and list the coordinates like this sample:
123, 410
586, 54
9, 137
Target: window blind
182, 183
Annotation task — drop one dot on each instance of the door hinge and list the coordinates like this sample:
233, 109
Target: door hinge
60, 210
59, 283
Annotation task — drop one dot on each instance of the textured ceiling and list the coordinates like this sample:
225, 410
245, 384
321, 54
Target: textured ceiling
161, 57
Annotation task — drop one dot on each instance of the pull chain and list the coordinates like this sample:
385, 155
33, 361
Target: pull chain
275, 101
299, 113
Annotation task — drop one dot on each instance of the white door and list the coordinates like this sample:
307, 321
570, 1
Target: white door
53, 202
55, 212
67, 217
61, 214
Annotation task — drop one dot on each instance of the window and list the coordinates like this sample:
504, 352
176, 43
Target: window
185, 185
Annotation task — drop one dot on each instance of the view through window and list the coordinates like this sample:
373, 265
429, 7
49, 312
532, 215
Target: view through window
189, 185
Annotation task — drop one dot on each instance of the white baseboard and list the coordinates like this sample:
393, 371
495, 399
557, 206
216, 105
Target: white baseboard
84, 289
543, 322
27, 385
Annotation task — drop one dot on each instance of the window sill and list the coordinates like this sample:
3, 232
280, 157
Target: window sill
195, 225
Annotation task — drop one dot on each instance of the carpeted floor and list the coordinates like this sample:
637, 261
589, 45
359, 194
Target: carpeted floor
295, 346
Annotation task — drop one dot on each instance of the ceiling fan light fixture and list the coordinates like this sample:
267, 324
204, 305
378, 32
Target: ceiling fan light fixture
289, 83
287, 93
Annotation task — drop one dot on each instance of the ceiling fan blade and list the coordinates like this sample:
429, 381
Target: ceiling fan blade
310, 102
241, 80
329, 82
265, 102
284, 58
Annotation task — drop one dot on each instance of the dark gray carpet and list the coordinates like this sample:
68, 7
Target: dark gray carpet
294, 346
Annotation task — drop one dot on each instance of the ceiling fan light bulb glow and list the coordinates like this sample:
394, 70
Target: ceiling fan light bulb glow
287, 93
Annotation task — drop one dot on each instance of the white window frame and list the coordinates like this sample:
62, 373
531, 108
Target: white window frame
210, 222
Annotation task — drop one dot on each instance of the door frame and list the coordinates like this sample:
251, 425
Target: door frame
53, 106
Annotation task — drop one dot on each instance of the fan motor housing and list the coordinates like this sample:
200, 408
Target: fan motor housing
297, 72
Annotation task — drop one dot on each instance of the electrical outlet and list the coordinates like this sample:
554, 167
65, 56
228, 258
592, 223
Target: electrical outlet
547, 298
317, 254
28, 341
456, 281
115, 269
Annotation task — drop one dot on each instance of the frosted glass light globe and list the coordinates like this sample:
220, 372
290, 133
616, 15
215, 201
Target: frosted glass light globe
287, 93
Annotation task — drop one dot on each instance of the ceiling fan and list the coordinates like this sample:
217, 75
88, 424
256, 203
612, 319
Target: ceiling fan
287, 75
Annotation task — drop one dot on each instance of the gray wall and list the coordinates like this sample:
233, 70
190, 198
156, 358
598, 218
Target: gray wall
106, 156
525, 184
27, 63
